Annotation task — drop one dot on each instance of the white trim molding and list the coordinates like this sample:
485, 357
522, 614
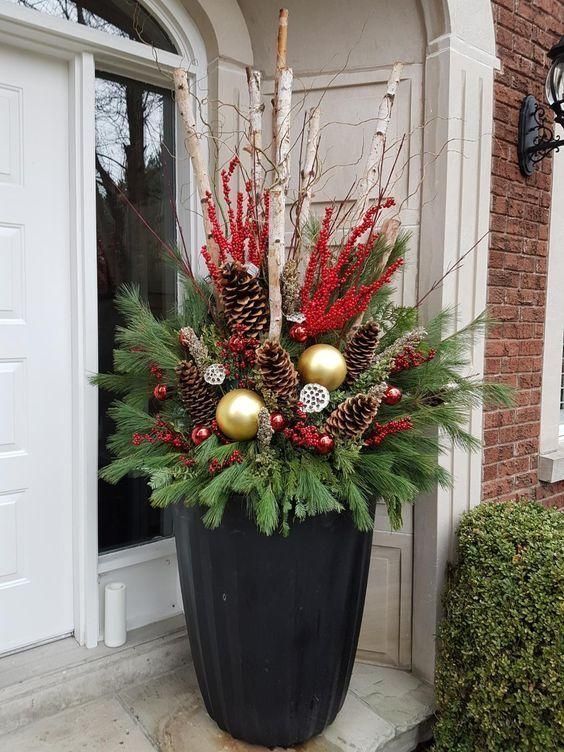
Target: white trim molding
85, 349
551, 459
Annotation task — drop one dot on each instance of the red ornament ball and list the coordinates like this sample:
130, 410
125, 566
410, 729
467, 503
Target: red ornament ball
159, 392
325, 444
298, 333
392, 396
200, 434
277, 421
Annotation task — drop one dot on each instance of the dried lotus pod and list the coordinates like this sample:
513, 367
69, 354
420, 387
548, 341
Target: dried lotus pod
215, 374
314, 398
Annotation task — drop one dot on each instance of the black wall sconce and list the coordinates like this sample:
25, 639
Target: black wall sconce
536, 135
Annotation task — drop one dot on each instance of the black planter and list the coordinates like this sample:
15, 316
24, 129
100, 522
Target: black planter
273, 622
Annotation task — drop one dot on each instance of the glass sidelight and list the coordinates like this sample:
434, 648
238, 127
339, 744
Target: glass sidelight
134, 202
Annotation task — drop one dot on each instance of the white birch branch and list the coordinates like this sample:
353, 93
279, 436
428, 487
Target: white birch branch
371, 176
281, 60
194, 148
307, 179
276, 245
390, 231
256, 108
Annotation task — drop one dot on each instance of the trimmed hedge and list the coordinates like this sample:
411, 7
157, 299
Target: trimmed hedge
500, 665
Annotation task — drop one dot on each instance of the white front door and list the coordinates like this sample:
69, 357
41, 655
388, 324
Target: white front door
36, 586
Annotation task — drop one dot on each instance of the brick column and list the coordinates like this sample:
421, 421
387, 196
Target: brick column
517, 274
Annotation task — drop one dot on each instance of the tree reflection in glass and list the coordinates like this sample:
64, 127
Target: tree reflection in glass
134, 171
122, 18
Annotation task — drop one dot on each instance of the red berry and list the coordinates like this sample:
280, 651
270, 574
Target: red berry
298, 333
392, 396
159, 392
200, 434
277, 421
325, 444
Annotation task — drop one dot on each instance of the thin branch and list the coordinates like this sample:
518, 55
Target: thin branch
453, 267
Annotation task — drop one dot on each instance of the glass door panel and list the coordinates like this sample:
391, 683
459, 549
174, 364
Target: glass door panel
134, 171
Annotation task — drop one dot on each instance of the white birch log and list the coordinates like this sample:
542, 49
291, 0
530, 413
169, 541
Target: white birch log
194, 148
281, 64
256, 108
390, 231
307, 179
276, 245
372, 175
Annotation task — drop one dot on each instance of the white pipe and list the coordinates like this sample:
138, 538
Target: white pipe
114, 614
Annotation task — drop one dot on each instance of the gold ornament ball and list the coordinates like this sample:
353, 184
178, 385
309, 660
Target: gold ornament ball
237, 414
322, 364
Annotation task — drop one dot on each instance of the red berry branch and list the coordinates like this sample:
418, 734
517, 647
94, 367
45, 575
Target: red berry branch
164, 433
238, 354
380, 431
245, 238
216, 466
324, 304
309, 437
411, 358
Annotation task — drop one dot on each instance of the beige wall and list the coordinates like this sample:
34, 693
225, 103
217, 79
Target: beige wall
324, 32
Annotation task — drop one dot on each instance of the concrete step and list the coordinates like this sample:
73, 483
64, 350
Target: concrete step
45, 680
144, 696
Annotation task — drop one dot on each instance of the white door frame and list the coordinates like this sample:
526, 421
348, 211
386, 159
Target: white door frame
87, 49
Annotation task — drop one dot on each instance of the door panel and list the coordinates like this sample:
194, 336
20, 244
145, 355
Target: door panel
385, 637
35, 351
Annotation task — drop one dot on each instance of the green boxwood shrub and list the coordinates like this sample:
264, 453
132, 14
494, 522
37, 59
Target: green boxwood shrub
500, 666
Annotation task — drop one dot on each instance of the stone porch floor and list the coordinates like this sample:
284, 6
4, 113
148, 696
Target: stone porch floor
386, 710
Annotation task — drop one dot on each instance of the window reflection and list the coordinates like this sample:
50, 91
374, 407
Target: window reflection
126, 18
134, 168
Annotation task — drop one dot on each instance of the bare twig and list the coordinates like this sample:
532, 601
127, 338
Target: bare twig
452, 268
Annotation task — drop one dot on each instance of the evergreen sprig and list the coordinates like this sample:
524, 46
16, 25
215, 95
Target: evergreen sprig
283, 484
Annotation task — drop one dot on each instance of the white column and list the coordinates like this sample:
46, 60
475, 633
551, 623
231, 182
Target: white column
455, 214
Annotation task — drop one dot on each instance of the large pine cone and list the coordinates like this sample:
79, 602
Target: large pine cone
244, 300
352, 417
360, 349
198, 398
279, 376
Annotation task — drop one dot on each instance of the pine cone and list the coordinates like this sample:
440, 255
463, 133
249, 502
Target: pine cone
353, 416
278, 374
198, 398
360, 350
244, 300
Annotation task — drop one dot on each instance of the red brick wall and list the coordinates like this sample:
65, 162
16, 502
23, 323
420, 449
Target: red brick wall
519, 224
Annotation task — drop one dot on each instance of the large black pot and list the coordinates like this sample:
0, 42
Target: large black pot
273, 622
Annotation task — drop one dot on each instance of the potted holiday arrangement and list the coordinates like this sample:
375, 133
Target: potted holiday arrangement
283, 397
